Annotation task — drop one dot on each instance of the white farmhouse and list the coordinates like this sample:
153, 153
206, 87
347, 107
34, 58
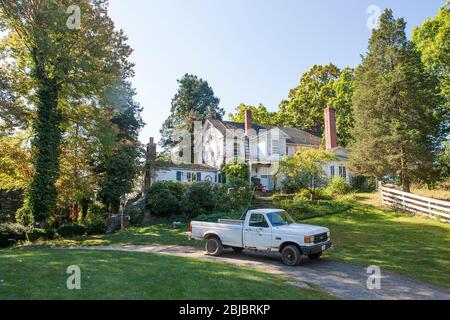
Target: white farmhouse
260, 146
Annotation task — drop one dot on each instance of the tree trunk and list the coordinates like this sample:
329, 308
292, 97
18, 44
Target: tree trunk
406, 182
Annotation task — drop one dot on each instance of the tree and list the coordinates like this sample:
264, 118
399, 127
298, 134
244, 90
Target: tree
396, 129
120, 167
305, 169
432, 39
305, 105
64, 64
260, 114
236, 170
194, 101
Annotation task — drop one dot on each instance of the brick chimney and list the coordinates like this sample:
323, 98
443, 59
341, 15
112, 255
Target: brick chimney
151, 149
330, 128
248, 122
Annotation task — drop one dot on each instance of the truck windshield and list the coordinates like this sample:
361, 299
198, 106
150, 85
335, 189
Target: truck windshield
280, 218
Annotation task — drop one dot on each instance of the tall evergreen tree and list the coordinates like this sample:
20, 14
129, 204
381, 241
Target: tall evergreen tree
194, 101
396, 130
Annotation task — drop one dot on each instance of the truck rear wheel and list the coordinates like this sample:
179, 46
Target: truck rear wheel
214, 246
290, 255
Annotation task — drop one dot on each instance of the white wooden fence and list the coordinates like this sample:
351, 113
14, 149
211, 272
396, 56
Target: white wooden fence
437, 209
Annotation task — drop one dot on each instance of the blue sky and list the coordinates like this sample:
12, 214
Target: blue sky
250, 51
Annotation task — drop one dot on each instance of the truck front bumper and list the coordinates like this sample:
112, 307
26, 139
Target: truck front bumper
317, 248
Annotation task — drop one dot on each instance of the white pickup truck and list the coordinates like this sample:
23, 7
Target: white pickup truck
264, 230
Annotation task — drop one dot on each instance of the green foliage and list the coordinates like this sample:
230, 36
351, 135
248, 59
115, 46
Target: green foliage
96, 227
10, 233
24, 215
338, 186
200, 198
136, 215
165, 198
302, 209
239, 193
304, 170
194, 101
70, 230
236, 170
40, 234
397, 130
260, 115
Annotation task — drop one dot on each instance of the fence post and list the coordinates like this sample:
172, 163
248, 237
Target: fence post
380, 187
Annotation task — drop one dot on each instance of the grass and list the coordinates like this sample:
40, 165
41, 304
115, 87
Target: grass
158, 234
40, 273
413, 246
363, 234
436, 194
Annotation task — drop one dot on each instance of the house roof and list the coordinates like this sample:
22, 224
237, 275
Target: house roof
295, 136
186, 166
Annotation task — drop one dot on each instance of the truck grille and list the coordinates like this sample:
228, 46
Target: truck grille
321, 238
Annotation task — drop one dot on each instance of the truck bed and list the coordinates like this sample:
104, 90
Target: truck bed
229, 231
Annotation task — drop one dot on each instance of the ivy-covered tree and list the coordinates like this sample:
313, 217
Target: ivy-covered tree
59, 64
397, 130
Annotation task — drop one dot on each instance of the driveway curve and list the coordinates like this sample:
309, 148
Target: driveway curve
342, 280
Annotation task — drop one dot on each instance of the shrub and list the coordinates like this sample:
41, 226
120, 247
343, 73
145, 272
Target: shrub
71, 230
165, 198
96, 227
200, 198
96, 211
10, 233
278, 197
338, 186
24, 216
136, 216
301, 209
37, 234
239, 193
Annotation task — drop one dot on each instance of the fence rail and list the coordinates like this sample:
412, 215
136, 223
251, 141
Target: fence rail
437, 209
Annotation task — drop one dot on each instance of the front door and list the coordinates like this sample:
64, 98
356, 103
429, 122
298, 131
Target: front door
258, 234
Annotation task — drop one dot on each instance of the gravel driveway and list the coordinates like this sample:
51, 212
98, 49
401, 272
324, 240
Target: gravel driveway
342, 280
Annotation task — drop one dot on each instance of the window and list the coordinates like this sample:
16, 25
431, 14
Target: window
236, 147
275, 146
332, 171
342, 172
280, 218
258, 221
193, 176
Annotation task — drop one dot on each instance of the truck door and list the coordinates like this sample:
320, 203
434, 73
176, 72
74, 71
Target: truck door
258, 234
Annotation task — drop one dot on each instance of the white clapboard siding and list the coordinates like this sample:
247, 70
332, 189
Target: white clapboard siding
433, 208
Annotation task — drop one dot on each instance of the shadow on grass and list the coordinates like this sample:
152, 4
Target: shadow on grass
40, 273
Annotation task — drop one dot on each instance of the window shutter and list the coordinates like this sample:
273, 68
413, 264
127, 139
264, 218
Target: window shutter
199, 176
178, 175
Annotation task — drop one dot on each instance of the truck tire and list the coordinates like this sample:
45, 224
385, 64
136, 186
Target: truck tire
315, 256
290, 255
214, 246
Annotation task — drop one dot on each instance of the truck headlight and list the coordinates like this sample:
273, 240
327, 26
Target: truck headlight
329, 234
309, 239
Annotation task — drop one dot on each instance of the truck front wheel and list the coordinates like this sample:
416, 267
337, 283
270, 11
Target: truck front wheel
290, 255
214, 246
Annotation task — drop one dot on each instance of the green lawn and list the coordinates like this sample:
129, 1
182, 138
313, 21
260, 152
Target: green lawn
365, 235
413, 246
40, 273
